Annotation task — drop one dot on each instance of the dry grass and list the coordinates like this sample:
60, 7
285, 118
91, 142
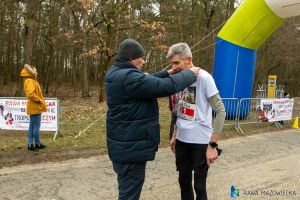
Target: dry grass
76, 115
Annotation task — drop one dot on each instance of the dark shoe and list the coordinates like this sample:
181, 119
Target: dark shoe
30, 147
40, 146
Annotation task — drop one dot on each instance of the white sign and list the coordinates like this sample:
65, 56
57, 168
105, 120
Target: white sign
13, 115
272, 110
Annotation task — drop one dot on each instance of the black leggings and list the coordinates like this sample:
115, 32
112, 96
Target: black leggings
185, 182
189, 158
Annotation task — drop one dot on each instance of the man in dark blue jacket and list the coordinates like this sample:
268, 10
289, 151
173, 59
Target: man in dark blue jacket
133, 133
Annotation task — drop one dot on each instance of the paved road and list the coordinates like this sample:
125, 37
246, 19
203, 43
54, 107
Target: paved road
265, 166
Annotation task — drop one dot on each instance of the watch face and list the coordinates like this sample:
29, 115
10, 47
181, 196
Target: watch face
213, 144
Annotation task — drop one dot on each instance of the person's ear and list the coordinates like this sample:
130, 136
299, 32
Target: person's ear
189, 59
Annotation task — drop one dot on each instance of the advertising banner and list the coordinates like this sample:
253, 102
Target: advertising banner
272, 110
13, 115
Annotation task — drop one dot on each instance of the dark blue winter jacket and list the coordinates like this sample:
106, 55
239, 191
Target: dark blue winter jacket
132, 123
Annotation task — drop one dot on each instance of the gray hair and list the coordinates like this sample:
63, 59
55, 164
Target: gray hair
181, 49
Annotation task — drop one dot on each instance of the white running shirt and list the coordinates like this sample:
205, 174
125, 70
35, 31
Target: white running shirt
194, 122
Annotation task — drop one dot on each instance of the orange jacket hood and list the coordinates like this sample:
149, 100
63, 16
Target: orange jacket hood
29, 72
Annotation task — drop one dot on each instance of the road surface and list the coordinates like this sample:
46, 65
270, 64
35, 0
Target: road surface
263, 166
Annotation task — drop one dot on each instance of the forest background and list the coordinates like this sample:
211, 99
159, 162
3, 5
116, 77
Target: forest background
73, 42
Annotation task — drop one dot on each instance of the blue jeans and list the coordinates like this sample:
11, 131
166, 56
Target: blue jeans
34, 129
131, 178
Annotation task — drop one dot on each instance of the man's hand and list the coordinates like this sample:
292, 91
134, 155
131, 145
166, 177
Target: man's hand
173, 143
173, 71
211, 155
195, 70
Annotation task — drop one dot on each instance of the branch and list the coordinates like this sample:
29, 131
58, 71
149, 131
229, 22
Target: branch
94, 26
274, 67
126, 28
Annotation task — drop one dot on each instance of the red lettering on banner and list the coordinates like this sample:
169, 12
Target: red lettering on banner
48, 118
12, 103
282, 101
51, 104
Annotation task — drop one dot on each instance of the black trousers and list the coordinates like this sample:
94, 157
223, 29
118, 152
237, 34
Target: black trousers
189, 158
131, 178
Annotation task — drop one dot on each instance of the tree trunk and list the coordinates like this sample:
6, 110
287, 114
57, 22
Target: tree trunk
29, 27
74, 74
48, 66
29, 39
85, 80
101, 87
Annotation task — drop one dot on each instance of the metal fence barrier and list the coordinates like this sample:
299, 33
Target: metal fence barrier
238, 111
248, 111
262, 91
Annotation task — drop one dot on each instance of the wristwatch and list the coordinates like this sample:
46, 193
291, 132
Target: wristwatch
213, 144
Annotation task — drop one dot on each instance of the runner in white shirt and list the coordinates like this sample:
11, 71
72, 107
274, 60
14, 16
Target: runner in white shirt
194, 140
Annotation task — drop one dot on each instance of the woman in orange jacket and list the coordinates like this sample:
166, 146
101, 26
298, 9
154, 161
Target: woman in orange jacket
36, 105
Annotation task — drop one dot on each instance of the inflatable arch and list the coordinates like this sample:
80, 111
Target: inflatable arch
247, 29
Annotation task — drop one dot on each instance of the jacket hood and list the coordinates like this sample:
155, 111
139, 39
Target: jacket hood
29, 72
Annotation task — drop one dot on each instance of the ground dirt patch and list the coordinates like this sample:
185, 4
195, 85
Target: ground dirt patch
76, 115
